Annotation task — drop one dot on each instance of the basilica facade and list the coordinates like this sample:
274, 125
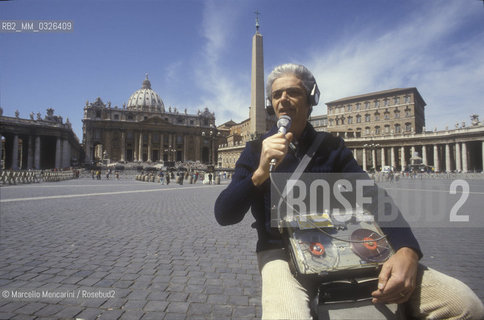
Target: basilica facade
144, 131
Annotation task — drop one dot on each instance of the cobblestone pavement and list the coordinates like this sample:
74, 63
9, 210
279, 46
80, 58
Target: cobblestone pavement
145, 251
135, 250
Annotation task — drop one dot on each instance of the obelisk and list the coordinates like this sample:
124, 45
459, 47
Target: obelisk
257, 107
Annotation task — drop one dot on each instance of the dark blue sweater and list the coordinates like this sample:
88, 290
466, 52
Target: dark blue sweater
332, 156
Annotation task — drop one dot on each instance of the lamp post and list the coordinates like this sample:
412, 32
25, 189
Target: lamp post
211, 135
170, 151
104, 157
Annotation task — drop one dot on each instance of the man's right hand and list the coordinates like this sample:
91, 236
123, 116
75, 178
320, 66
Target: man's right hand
273, 147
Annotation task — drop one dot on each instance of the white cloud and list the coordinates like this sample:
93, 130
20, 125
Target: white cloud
223, 93
172, 71
449, 77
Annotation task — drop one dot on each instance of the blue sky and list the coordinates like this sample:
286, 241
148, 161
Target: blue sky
198, 53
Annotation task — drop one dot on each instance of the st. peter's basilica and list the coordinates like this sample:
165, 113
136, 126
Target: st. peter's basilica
144, 131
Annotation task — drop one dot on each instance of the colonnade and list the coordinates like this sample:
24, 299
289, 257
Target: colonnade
168, 147
444, 157
152, 146
25, 152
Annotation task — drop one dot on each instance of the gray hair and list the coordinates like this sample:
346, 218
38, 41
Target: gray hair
300, 71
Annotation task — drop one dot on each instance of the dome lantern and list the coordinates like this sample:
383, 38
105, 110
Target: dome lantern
146, 83
145, 99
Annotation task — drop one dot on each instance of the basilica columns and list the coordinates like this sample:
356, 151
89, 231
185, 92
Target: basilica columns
185, 147
140, 147
149, 146
170, 147
135, 149
173, 146
107, 145
123, 146
198, 147
163, 155
156, 145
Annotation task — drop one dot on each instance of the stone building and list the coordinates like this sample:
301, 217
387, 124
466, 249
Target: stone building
145, 131
37, 143
235, 140
319, 122
378, 114
387, 129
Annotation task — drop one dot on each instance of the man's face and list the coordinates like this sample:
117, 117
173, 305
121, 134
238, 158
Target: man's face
290, 98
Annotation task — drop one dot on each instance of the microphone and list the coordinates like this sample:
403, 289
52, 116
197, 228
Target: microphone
283, 124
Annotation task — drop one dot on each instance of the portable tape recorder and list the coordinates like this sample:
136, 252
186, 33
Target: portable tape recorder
335, 246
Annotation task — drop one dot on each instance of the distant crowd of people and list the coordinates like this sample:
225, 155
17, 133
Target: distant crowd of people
166, 176
96, 174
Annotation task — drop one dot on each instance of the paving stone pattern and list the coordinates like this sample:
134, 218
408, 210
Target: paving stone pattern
160, 254
154, 253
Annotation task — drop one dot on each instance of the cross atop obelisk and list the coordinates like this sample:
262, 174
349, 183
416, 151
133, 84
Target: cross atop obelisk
257, 25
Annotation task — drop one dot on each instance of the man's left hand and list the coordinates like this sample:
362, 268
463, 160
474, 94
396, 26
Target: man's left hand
397, 278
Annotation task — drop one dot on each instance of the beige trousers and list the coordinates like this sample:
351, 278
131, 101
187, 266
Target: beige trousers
437, 296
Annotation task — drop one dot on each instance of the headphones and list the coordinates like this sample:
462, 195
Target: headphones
313, 100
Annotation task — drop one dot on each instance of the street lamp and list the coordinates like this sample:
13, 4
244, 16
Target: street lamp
211, 135
170, 150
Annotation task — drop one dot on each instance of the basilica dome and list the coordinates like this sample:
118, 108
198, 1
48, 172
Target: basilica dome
145, 99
